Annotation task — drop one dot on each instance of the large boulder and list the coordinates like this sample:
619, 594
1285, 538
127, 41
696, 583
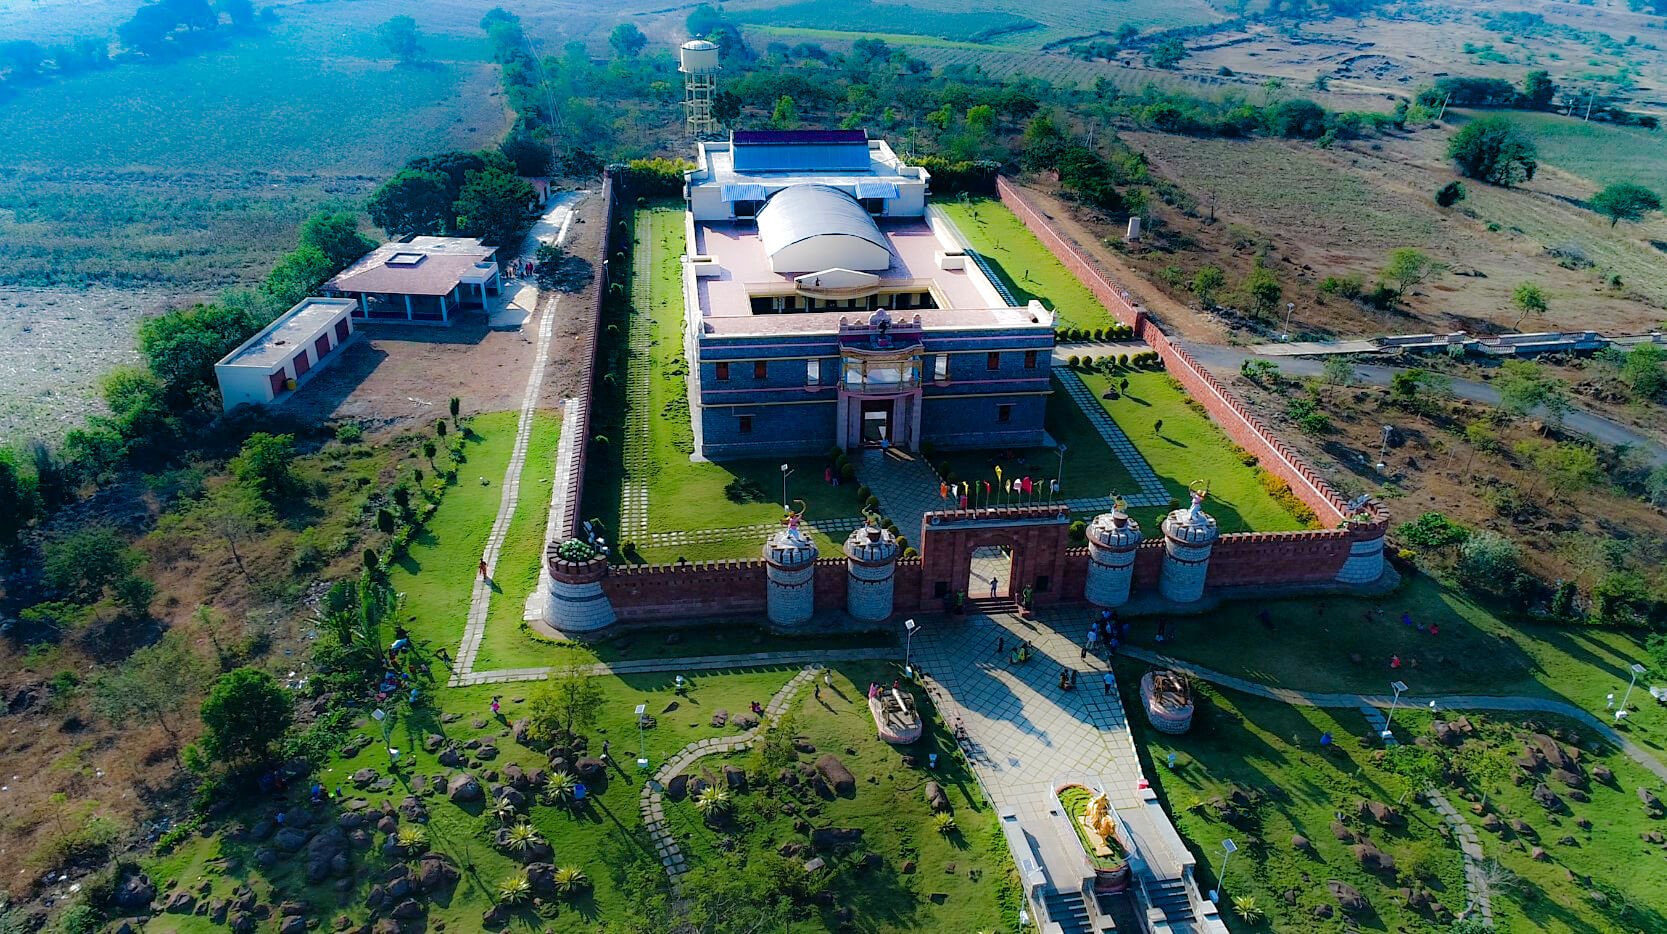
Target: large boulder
434, 872
462, 788
832, 838
837, 775
591, 770
290, 839
935, 797
677, 788
542, 878
1348, 897
451, 757
1547, 798
1373, 859
408, 910
522, 728
180, 902
1549, 750
134, 891
736, 778
1382, 814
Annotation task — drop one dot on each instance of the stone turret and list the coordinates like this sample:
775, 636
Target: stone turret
790, 592
871, 562
1112, 540
1365, 562
576, 602
1188, 537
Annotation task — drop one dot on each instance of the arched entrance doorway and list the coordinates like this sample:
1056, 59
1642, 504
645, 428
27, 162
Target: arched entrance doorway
990, 572
1017, 547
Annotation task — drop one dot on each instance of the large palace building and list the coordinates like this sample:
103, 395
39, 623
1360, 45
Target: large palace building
826, 305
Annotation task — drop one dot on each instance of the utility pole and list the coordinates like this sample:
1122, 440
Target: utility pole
1591, 98
1444, 100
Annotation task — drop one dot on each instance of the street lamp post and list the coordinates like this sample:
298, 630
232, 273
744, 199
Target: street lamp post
1387, 735
1285, 333
642, 739
1061, 465
1637, 670
785, 470
1221, 883
909, 627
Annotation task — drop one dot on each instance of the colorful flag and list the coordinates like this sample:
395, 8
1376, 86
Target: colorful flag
986, 488
1029, 486
943, 491
1053, 486
998, 473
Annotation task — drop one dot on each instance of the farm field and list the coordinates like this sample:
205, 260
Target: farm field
859, 15
1601, 153
1057, 21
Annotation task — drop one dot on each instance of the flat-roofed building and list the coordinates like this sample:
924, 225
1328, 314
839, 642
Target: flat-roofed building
826, 306
299, 343
425, 280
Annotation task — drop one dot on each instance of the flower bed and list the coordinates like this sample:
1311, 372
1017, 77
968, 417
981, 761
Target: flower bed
1106, 853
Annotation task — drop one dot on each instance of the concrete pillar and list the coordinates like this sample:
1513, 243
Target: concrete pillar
576, 602
841, 435
364, 306
408, 308
1365, 562
790, 566
1112, 540
1188, 537
443, 317
871, 565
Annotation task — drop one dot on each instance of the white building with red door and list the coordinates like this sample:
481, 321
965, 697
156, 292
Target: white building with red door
270, 366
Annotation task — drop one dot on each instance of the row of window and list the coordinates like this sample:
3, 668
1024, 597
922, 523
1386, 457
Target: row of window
1004, 415
992, 361
789, 304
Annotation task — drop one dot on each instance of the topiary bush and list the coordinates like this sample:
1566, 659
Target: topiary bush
575, 551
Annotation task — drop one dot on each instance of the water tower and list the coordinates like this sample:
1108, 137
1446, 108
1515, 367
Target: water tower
698, 61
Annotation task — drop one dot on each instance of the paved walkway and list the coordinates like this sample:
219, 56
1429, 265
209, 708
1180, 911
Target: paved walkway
556, 216
637, 666
1478, 899
1151, 491
906, 487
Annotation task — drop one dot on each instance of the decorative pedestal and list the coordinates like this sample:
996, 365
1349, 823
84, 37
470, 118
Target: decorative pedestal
790, 592
576, 603
1188, 537
1112, 540
871, 566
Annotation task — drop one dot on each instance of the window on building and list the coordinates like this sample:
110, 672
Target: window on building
745, 425
759, 370
940, 366
992, 361
1004, 412
875, 206
1030, 359
723, 371
746, 209
813, 372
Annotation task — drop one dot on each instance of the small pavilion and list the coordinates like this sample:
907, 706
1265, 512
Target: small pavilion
426, 280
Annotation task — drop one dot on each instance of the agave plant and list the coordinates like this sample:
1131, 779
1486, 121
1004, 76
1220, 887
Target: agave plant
570, 880
515, 890
1245, 906
712, 801
412, 837
560, 789
523, 837
504, 812
944, 823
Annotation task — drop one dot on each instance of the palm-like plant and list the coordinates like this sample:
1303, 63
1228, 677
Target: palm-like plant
570, 880
504, 812
944, 823
523, 837
412, 837
561, 788
1246, 907
515, 890
712, 801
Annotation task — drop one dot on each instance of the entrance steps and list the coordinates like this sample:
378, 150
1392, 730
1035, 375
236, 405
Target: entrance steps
993, 606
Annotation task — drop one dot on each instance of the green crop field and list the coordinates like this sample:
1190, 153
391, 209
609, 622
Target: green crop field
1601, 153
196, 172
944, 18
862, 15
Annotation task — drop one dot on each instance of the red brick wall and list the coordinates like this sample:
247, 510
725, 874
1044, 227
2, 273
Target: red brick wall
599, 263
669, 591
1278, 558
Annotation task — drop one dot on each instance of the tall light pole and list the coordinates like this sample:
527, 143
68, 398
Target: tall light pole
785, 470
1387, 735
1285, 333
1637, 670
1062, 465
909, 627
642, 740
1221, 882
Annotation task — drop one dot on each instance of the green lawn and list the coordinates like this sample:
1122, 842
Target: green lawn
1023, 264
1250, 743
522, 556
1313, 644
1091, 469
963, 881
598, 839
683, 495
1190, 448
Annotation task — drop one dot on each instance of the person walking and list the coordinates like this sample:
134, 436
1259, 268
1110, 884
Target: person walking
816, 690
483, 569
496, 705
1107, 680
993, 582
1001, 644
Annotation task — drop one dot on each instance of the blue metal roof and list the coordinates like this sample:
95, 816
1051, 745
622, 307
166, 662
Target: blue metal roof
805, 211
773, 154
744, 192
874, 188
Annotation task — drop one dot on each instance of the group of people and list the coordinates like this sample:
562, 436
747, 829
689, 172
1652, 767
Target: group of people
1107, 630
402, 668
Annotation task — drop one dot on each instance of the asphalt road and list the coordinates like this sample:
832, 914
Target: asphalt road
1579, 420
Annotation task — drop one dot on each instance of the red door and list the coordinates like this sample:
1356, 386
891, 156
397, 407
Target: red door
278, 380
301, 365
341, 330
322, 345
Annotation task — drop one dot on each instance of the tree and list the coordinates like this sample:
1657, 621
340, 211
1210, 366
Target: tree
19, 499
981, 118
402, 38
1567, 467
236, 513
1625, 202
265, 464
1537, 90
152, 684
492, 205
785, 115
1418, 765
137, 402
297, 275
1263, 289
336, 236
1450, 194
726, 108
627, 40
1644, 370
182, 346
1407, 267
454, 405
1338, 371
1530, 300
1298, 119
1206, 283
81, 565
147, 31
549, 258
1166, 54
567, 702
245, 713
1523, 386
411, 202
1489, 561
1485, 766
1494, 150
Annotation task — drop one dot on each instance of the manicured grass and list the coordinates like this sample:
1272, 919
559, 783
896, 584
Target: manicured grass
597, 838
1313, 643
1091, 469
1190, 448
1023, 264
1271, 752
682, 495
522, 556
958, 878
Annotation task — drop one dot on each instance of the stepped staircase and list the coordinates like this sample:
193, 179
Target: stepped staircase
1069, 911
1170, 897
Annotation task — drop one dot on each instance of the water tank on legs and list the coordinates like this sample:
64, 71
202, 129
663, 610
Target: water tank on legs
1188, 537
1112, 540
871, 563
790, 563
